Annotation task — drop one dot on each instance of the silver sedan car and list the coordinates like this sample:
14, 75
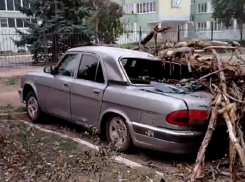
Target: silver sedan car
125, 94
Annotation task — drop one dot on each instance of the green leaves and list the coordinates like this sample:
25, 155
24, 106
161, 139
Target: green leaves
57, 19
227, 10
106, 19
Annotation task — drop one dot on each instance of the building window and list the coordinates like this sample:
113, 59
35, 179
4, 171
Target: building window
26, 22
211, 8
147, 7
192, 18
19, 23
2, 5
4, 22
202, 8
129, 8
11, 22
10, 5
202, 26
13, 5
17, 4
154, 6
193, 1
25, 3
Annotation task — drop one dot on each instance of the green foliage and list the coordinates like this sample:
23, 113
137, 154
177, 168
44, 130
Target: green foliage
106, 19
227, 10
61, 25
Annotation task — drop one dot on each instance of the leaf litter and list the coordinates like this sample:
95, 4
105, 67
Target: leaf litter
30, 155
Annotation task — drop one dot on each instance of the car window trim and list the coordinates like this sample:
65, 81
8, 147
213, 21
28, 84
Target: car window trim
99, 61
126, 75
69, 53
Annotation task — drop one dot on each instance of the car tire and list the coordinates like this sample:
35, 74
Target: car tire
117, 126
33, 109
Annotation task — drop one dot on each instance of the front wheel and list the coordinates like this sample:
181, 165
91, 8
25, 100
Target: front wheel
33, 108
118, 133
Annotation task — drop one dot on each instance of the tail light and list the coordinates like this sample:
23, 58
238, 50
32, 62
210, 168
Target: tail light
188, 118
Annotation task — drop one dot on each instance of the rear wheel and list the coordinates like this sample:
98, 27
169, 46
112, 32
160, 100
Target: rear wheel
118, 133
33, 108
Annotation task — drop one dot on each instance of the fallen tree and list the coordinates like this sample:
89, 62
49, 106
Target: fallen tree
224, 78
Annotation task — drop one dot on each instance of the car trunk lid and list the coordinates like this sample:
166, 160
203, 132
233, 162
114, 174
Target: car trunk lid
197, 103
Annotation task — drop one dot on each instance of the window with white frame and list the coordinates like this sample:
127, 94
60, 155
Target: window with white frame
13, 5
192, 18
147, 7
202, 8
193, 1
202, 26
16, 22
4, 22
11, 22
129, 8
211, 8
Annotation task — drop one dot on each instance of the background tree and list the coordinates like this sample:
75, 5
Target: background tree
106, 19
227, 10
60, 25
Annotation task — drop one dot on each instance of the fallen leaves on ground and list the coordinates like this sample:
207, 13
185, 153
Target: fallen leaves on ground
28, 155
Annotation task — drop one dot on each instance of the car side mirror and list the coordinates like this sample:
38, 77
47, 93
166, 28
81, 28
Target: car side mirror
49, 69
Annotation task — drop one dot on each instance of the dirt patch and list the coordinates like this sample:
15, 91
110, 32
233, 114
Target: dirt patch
9, 97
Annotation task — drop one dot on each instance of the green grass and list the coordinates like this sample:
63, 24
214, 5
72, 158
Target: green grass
12, 81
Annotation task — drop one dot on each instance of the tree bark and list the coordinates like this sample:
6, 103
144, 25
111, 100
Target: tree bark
211, 127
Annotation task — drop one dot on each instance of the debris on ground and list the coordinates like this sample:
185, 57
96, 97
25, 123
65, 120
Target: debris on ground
28, 155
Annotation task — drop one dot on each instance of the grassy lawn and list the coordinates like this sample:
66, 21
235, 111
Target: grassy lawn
32, 155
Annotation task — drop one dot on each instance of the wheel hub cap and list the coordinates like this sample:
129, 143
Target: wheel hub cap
118, 132
32, 107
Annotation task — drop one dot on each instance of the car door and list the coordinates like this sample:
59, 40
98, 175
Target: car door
57, 87
87, 90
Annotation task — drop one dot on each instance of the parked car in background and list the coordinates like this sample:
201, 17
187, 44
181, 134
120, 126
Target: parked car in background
123, 93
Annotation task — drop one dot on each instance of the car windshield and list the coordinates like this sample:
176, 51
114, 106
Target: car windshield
143, 71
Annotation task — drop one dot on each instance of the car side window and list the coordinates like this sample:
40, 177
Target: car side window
90, 69
68, 65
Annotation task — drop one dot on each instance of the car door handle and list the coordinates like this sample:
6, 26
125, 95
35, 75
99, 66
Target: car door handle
65, 84
96, 91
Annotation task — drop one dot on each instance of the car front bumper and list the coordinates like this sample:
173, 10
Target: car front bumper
165, 140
